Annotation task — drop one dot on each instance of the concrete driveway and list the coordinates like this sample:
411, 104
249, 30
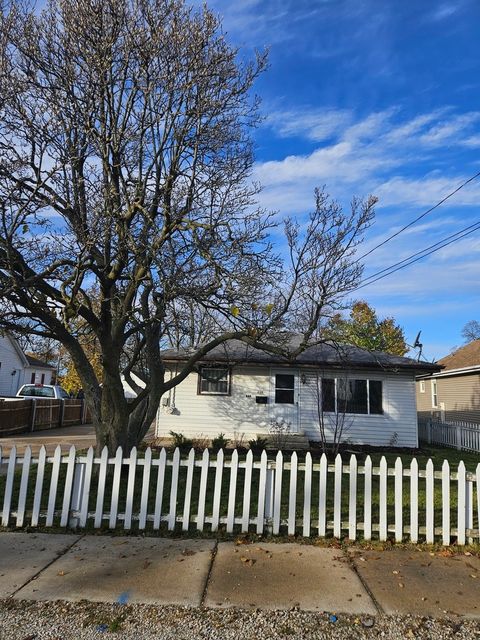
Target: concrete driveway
82, 436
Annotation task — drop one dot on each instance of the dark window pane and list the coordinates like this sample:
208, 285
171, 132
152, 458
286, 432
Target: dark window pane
328, 394
352, 396
284, 396
284, 381
214, 380
44, 392
27, 391
376, 404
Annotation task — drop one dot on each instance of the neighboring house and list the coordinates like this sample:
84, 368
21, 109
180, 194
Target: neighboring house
453, 393
17, 368
240, 390
127, 389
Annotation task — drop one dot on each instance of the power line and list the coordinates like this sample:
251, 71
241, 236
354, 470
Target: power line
432, 246
425, 213
425, 252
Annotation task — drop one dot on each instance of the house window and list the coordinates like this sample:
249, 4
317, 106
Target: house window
434, 394
214, 381
32, 379
352, 396
43, 378
422, 386
284, 388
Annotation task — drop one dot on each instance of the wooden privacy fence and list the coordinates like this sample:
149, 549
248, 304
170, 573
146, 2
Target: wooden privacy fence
463, 436
35, 414
283, 495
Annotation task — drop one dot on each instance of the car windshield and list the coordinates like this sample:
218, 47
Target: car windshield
63, 393
38, 392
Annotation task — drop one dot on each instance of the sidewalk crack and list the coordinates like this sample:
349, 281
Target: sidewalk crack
209, 574
376, 604
49, 564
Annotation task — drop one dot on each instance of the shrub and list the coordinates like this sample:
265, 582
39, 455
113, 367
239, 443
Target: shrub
238, 441
200, 443
180, 441
258, 444
279, 430
220, 442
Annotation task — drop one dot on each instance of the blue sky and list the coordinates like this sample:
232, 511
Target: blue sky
381, 97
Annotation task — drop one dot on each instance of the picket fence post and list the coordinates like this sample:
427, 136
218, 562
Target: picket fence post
458, 434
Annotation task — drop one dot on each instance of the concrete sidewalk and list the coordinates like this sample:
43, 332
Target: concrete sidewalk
202, 573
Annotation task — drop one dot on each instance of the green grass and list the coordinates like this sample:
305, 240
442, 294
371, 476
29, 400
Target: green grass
436, 454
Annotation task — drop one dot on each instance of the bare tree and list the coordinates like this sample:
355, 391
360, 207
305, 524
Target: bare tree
333, 427
471, 330
126, 208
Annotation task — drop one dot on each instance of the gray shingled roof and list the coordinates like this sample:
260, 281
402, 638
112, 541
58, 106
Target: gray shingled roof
39, 364
235, 351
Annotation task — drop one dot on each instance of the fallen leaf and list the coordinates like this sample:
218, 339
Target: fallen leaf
248, 561
146, 564
395, 572
401, 585
473, 575
61, 573
188, 552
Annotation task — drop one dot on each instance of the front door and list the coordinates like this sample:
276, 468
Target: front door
284, 397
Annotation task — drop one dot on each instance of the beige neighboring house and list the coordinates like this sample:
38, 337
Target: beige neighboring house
453, 394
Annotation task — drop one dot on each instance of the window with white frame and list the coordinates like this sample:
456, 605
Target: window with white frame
340, 395
214, 381
422, 386
434, 394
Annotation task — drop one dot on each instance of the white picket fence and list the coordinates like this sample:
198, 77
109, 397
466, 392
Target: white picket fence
463, 436
313, 498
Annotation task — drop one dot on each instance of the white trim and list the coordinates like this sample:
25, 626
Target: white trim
422, 386
294, 408
434, 394
452, 372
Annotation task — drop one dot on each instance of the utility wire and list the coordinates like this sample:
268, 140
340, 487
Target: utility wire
412, 259
425, 213
432, 246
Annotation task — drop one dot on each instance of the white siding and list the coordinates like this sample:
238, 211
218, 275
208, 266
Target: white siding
11, 368
195, 415
39, 372
397, 426
206, 415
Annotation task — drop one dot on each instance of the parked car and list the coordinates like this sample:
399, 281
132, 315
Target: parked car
42, 391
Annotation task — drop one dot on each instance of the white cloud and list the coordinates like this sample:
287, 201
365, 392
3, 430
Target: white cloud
443, 132
445, 10
375, 154
424, 192
316, 125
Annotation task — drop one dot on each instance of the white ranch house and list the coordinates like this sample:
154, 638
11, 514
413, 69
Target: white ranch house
240, 390
18, 368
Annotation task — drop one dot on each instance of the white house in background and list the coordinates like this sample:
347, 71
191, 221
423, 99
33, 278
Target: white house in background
240, 390
127, 389
17, 368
